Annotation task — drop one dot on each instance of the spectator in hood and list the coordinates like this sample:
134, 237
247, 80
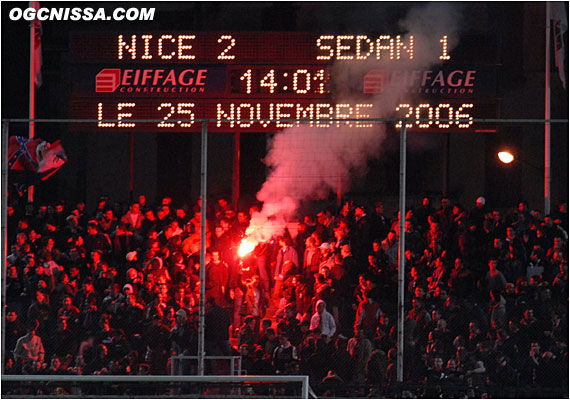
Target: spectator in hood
322, 322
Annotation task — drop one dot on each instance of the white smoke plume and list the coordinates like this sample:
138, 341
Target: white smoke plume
307, 163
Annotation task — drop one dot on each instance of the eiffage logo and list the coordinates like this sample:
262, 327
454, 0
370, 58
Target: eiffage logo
148, 80
108, 80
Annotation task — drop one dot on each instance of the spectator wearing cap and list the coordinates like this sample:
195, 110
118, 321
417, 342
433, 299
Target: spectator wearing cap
327, 256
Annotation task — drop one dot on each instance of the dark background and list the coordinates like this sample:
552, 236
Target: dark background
509, 35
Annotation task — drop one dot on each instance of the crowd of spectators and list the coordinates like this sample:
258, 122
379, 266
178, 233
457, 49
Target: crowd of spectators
115, 290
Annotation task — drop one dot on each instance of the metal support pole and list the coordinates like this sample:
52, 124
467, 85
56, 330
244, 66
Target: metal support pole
202, 317
401, 256
305, 388
32, 97
237, 156
5, 128
339, 193
547, 181
131, 165
445, 180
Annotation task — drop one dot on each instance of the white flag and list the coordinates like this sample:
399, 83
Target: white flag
560, 26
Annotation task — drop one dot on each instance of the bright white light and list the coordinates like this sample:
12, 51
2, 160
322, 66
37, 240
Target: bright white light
245, 247
506, 157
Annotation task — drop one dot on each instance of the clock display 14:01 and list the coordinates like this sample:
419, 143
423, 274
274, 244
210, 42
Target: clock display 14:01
297, 81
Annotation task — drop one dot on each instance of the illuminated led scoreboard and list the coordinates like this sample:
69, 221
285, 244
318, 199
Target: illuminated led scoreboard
263, 82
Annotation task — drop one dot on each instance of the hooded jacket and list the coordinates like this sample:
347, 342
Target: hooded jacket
324, 320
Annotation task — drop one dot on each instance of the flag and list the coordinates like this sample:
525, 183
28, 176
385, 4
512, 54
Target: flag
560, 26
36, 31
35, 156
21, 154
51, 157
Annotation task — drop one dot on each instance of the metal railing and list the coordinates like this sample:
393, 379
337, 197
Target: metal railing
203, 380
235, 362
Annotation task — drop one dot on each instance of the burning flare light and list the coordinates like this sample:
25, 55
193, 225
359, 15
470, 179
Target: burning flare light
506, 157
246, 247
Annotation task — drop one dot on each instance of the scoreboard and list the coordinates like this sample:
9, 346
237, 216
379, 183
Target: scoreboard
267, 81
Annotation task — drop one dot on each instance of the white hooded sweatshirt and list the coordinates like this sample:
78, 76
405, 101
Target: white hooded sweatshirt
325, 320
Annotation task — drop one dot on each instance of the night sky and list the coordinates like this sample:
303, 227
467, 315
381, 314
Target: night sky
492, 33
